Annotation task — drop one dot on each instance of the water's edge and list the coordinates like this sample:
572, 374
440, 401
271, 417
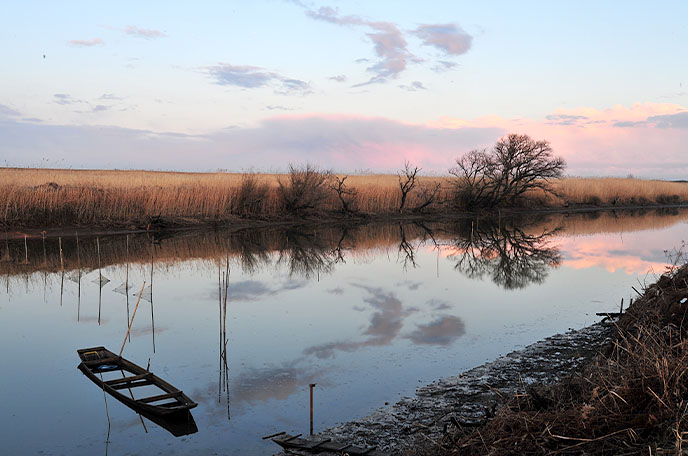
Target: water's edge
473, 396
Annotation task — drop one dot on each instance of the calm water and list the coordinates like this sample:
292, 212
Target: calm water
367, 314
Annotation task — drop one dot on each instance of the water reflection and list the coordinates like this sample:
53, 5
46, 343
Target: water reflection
366, 312
513, 253
510, 254
386, 323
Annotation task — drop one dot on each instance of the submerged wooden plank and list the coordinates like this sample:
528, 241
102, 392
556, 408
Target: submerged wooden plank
318, 446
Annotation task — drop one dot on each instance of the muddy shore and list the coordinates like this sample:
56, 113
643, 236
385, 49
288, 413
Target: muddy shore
472, 397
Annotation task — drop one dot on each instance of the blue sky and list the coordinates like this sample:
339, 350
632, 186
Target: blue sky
343, 84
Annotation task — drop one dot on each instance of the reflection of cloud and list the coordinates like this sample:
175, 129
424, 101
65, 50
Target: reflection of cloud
254, 290
409, 284
439, 304
336, 291
384, 326
140, 332
441, 331
279, 382
611, 254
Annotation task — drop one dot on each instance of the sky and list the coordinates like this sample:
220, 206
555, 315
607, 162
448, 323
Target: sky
352, 86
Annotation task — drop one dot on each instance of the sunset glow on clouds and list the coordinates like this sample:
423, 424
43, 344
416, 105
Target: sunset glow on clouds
343, 85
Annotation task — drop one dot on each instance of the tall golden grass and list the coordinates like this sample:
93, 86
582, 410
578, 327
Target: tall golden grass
40, 197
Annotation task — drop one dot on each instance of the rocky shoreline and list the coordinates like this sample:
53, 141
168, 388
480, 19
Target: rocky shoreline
472, 397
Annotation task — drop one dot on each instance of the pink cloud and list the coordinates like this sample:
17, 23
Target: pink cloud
646, 140
86, 43
641, 139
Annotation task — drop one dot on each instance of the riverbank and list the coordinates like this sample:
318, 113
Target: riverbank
611, 388
43, 199
422, 422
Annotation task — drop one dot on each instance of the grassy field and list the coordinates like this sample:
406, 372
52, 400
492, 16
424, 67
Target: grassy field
40, 197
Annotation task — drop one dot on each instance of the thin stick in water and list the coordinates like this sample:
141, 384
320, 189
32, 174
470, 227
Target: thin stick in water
132, 319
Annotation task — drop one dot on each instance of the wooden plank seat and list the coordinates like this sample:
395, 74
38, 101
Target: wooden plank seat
98, 362
160, 397
133, 378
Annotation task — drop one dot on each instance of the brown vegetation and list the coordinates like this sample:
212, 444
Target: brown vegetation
45, 197
631, 400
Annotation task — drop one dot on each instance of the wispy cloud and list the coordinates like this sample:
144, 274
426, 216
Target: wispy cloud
86, 43
6, 111
414, 86
565, 119
678, 120
389, 43
147, 34
66, 99
338, 78
110, 97
444, 65
449, 38
251, 77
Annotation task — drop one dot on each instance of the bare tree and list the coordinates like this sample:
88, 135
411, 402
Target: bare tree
503, 175
307, 187
347, 196
428, 195
407, 182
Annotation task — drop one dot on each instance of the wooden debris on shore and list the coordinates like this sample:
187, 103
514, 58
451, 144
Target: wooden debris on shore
295, 442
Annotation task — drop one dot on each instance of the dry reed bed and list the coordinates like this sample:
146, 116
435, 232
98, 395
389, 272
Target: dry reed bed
633, 399
41, 197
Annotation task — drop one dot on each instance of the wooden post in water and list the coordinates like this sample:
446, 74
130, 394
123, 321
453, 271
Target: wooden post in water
311, 386
151, 294
26, 252
59, 239
78, 265
100, 281
126, 283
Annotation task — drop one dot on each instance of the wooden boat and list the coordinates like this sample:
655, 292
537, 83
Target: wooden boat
295, 442
98, 360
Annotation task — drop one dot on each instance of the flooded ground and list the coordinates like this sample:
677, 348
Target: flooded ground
368, 314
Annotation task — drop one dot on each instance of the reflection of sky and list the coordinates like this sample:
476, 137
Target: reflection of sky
366, 333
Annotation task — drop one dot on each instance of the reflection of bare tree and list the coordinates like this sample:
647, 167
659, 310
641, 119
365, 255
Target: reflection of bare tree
306, 254
338, 251
511, 256
251, 251
406, 252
